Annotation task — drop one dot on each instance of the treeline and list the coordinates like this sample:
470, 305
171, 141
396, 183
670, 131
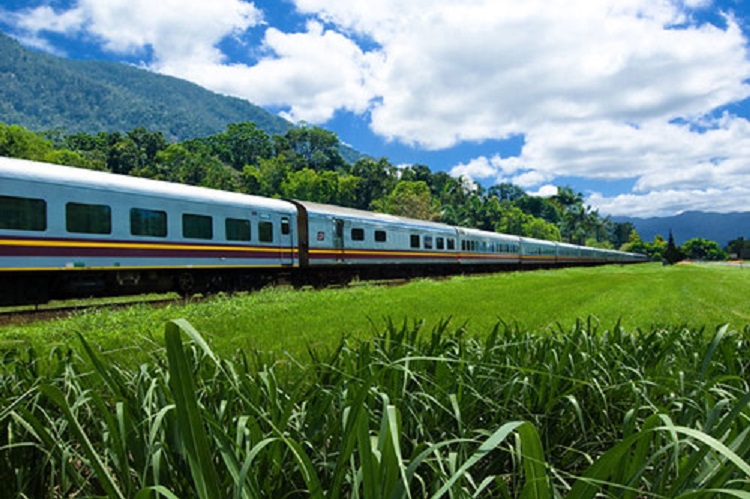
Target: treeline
306, 163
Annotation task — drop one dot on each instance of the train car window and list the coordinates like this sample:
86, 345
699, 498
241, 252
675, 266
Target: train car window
440, 243
380, 236
414, 241
358, 234
285, 228
473, 246
197, 226
451, 244
88, 218
427, 242
265, 232
237, 229
22, 213
145, 222
463, 245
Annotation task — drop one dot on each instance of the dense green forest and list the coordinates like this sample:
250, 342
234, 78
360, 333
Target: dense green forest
306, 163
44, 92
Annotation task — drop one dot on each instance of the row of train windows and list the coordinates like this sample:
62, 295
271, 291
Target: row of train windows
358, 234
31, 214
440, 243
485, 247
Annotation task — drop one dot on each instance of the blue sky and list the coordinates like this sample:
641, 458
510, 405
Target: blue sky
642, 105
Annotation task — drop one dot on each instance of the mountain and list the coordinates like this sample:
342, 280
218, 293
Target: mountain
43, 92
719, 227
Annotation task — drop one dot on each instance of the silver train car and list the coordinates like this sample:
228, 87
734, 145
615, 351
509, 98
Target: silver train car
67, 232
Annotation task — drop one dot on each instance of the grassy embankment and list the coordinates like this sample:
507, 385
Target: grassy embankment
644, 296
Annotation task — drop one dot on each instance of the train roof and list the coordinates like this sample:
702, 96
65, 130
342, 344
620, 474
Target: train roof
33, 171
339, 211
483, 233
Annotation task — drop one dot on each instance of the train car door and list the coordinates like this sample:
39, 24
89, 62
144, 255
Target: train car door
286, 242
338, 239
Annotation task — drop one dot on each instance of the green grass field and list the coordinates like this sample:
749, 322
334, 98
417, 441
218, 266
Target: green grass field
532, 390
280, 319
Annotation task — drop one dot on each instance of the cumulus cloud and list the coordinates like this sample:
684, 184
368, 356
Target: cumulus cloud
599, 89
478, 69
671, 201
174, 30
479, 168
313, 73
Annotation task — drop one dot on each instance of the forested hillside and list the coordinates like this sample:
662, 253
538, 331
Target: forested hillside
43, 92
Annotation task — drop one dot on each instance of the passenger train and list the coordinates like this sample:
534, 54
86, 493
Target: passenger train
68, 232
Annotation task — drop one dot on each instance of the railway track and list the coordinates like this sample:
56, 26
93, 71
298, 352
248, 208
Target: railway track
31, 313
38, 313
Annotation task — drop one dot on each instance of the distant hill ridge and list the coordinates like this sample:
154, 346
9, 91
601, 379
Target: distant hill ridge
43, 92
719, 227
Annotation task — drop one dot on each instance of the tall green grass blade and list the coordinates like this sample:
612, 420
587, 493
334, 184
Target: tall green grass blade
711, 351
190, 423
487, 446
536, 484
393, 460
368, 466
718, 447
106, 480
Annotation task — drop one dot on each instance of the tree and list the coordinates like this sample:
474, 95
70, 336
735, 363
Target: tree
147, 143
241, 144
268, 177
703, 249
416, 173
347, 195
506, 192
378, 180
541, 229
512, 221
567, 197
18, 142
672, 254
314, 147
309, 185
410, 199
620, 232
736, 246
178, 164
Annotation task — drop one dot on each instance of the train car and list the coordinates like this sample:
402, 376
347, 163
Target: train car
67, 232
538, 253
568, 254
72, 232
339, 244
480, 249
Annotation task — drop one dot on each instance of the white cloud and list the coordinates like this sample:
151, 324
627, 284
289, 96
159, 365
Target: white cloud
545, 191
313, 73
45, 18
670, 202
175, 30
478, 168
481, 69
